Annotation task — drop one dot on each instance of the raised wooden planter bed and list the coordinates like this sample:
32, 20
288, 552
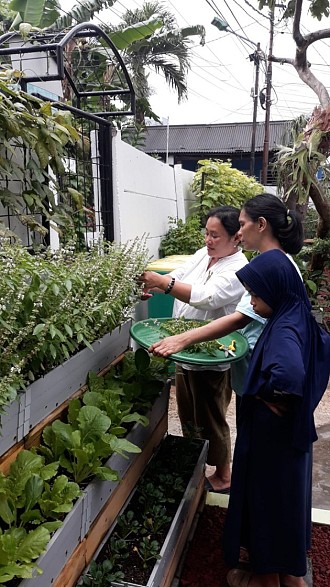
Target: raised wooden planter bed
48, 393
164, 570
73, 545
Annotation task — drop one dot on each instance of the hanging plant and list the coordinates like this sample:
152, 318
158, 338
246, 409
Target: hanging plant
34, 138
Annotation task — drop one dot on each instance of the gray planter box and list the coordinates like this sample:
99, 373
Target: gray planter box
164, 570
47, 393
96, 495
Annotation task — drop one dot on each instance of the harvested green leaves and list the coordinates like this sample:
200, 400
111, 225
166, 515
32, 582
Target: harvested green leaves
179, 325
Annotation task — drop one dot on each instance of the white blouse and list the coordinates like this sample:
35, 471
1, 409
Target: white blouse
215, 292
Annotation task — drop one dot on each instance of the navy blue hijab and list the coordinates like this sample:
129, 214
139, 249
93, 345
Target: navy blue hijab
293, 352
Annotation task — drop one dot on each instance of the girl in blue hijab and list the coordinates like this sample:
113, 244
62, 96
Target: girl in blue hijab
269, 510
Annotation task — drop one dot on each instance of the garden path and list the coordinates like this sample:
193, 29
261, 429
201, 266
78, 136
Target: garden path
321, 467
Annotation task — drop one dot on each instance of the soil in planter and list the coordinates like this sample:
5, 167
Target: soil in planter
204, 563
155, 501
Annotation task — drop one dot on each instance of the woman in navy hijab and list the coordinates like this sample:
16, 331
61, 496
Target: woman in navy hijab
269, 510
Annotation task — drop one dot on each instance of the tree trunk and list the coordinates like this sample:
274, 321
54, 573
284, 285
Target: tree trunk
292, 204
322, 206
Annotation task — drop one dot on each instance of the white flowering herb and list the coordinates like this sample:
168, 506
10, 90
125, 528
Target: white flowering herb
54, 304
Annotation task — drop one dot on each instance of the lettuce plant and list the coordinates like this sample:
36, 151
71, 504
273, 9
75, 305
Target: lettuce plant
18, 551
33, 501
81, 446
28, 496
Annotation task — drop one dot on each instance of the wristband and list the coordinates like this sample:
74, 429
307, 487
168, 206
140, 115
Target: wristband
170, 286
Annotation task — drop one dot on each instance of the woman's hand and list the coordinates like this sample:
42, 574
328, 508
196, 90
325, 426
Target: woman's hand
145, 295
169, 345
152, 280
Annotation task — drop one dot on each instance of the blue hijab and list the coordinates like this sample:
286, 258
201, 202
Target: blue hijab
293, 351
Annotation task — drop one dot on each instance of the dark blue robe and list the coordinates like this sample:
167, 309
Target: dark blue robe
269, 509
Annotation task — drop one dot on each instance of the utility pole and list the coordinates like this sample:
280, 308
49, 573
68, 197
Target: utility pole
268, 97
167, 137
255, 57
222, 25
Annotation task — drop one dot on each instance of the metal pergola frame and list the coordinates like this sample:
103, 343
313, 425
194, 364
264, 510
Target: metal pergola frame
54, 44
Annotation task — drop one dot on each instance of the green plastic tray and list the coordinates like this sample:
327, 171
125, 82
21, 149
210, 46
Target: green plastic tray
146, 332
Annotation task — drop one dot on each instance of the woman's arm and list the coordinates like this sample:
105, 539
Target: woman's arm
215, 329
158, 283
283, 362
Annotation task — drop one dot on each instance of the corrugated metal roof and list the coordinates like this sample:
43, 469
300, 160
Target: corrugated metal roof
212, 138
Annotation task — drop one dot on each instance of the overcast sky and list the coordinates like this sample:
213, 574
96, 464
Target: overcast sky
222, 75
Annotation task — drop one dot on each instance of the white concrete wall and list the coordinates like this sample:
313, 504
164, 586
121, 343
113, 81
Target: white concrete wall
146, 192
189, 198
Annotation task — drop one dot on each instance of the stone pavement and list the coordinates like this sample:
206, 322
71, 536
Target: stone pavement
321, 466
321, 469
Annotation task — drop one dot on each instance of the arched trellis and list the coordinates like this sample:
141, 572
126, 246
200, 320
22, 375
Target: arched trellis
50, 51
85, 63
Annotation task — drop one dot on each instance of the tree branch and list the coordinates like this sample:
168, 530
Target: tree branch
311, 81
322, 206
317, 36
296, 34
282, 60
300, 62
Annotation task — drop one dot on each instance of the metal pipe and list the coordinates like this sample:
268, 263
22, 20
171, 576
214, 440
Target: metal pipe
256, 58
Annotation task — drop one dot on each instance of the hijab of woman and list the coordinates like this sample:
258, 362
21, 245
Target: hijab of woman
292, 341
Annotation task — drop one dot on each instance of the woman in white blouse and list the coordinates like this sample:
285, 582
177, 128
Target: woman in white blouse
205, 288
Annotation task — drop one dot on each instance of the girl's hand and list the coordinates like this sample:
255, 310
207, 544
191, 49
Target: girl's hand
169, 345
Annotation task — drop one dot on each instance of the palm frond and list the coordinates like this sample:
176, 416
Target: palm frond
82, 12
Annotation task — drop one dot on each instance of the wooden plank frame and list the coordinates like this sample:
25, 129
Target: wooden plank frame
73, 545
47, 394
164, 570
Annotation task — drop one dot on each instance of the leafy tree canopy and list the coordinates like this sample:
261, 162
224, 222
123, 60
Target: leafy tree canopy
317, 8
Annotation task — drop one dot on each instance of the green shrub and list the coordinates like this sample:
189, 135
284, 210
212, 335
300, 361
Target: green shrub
183, 238
217, 183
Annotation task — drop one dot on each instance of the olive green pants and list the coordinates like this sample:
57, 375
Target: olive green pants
203, 398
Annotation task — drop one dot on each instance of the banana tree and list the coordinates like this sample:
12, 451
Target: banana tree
38, 13
47, 13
